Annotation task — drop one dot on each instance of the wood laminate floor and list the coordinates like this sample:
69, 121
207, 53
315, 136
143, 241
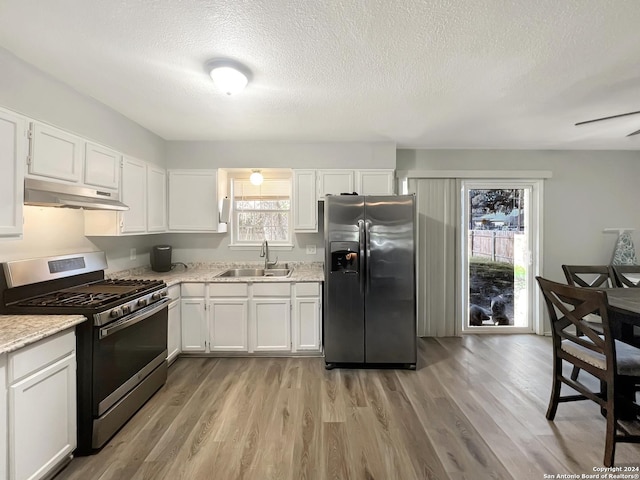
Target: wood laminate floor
474, 409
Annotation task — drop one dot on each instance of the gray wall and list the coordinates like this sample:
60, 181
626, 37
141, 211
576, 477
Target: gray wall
589, 191
47, 231
280, 155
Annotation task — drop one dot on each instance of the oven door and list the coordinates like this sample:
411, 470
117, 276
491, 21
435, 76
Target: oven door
126, 351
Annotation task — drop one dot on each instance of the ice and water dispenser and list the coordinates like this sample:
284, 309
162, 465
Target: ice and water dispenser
344, 257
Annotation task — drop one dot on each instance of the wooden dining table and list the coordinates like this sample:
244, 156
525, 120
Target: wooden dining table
624, 313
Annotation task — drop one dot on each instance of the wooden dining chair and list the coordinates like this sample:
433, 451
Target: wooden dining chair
627, 275
595, 276
589, 276
613, 362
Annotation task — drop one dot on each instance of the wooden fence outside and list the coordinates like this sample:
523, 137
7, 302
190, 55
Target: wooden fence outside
496, 245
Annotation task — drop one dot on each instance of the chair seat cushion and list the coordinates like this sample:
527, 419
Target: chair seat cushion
628, 356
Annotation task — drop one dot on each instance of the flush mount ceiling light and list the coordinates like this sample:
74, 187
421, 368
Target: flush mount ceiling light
256, 177
228, 76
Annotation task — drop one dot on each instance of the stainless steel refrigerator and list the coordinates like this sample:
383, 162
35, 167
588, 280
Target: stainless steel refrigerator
370, 294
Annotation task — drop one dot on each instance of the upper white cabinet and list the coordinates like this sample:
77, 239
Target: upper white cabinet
364, 182
13, 152
193, 200
374, 182
55, 153
143, 189
101, 166
305, 204
156, 199
335, 182
134, 194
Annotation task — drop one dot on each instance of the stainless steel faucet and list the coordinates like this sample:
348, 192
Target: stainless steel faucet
264, 252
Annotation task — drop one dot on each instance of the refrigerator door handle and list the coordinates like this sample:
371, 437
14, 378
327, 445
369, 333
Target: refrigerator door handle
367, 240
361, 253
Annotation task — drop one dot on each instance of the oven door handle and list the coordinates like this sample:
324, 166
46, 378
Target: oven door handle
134, 318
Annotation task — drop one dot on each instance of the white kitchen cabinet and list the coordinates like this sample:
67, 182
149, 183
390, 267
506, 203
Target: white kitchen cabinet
228, 317
193, 316
228, 324
101, 167
193, 201
42, 406
173, 331
13, 153
305, 202
156, 199
374, 182
54, 153
143, 190
134, 195
307, 317
335, 182
270, 317
4, 435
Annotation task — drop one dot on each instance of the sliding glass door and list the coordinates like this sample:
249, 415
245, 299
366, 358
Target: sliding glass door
499, 255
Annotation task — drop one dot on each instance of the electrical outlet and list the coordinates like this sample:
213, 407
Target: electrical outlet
311, 249
132, 254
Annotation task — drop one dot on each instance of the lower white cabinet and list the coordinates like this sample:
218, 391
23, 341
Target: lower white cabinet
41, 406
228, 324
256, 317
307, 317
173, 331
4, 436
194, 324
270, 318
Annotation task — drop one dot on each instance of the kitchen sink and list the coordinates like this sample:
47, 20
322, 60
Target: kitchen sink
256, 272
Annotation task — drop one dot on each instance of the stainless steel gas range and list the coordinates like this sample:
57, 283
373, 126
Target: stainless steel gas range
121, 349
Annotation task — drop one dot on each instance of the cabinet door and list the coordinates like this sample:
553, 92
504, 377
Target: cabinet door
271, 324
55, 153
194, 325
228, 324
334, 182
193, 203
12, 158
306, 312
42, 420
305, 203
156, 199
4, 436
101, 166
173, 331
134, 195
374, 182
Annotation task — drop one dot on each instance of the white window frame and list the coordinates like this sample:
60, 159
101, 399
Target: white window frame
253, 245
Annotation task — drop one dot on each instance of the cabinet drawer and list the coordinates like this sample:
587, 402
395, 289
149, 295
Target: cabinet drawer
307, 289
271, 289
228, 290
36, 356
174, 292
193, 289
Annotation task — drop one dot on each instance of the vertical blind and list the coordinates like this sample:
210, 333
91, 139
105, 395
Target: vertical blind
437, 204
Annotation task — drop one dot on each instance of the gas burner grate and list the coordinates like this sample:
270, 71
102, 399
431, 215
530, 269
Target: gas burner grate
93, 294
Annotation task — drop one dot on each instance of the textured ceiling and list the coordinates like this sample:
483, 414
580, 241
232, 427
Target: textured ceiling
431, 74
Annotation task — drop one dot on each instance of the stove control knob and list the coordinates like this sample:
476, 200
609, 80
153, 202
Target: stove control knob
142, 302
126, 309
164, 293
116, 312
156, 296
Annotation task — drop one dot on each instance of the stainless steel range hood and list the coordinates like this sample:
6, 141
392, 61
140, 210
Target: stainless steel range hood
52, 194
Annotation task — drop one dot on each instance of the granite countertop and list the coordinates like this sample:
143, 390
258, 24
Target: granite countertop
208, 272
17, 331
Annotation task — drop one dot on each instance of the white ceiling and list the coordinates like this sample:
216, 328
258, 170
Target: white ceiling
425, 74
